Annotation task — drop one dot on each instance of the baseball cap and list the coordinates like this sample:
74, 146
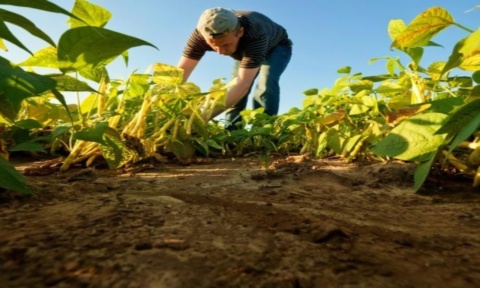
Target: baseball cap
215, 22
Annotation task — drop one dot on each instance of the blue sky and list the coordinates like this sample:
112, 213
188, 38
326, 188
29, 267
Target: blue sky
327, 35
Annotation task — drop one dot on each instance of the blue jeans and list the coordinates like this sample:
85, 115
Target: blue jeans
267, 91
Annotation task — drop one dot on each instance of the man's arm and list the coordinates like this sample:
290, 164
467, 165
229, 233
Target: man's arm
187, 65
245, 79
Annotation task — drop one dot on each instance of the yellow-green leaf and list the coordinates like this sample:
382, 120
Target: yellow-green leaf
423, 28
395, 28
472, 61
435, 70
91, 14
167, 74
464, 48
46, 57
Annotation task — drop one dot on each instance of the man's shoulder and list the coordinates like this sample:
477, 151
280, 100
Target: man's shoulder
250, 14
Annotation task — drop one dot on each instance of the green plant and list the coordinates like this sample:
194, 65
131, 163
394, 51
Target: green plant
85, 49
412, 112
450, 110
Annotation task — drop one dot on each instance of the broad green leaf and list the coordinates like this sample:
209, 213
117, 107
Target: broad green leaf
390, 87
423, 28
416, 53
44, 5
69, 83
212, 143
476, 76
475, 91
115, 152
335, 142
445, 106
46, 57
350, 144
25, 24
460, 118
183, 150
28, 147
358, 109
462, 50
369, 101
322, 143
28, 124
435, 70
12, 179
397, 26
167, 74
93, 134
471, 62
139, 84
85, 48
466, 131
17, 84
422, 171
190, 89
361, 85
96, 75
91, 14
199, 127
59, 130
413, 139
89, 103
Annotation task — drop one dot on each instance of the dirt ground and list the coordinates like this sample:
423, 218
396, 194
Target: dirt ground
292, 222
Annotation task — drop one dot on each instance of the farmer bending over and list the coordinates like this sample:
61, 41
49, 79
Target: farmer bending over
260, 47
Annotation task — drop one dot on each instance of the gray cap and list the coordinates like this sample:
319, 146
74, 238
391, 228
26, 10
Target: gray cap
214, 22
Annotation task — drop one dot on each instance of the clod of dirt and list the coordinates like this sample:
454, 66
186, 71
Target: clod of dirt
328, 232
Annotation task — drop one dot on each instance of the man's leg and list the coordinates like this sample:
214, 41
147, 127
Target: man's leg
267, 92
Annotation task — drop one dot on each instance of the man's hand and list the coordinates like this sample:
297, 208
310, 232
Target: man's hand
245, 79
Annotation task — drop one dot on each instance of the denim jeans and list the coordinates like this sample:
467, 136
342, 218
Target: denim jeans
267, 91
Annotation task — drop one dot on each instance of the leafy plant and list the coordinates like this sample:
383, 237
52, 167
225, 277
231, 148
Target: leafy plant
451, 114
97, 45
413, 112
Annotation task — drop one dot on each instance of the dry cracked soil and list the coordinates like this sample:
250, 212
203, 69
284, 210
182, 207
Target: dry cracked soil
291, 222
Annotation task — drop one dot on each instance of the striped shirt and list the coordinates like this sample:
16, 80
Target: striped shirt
260, 36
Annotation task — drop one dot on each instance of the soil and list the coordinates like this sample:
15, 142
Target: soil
289, 222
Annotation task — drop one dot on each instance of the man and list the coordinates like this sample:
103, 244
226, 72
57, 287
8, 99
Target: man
260, 47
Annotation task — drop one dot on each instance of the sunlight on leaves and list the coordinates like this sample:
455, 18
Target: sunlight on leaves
167, 74
91, 14
463, 49
93, 47
413, 139
423, 28
46, 58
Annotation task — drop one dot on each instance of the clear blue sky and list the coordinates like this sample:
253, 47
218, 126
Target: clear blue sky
327, 35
